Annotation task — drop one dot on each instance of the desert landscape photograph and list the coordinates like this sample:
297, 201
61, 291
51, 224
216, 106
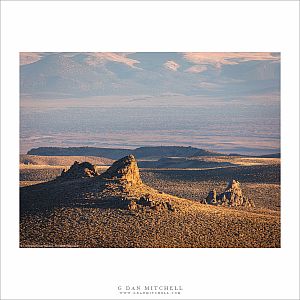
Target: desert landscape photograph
150, 150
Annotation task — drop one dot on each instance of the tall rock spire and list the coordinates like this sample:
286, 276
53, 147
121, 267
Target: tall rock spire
124, 170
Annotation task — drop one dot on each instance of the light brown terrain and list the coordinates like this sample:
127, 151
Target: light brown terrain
38, 160
206, 162
122, 208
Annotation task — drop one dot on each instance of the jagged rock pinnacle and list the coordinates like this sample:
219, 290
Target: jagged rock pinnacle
124, 170
79, 170
232, 196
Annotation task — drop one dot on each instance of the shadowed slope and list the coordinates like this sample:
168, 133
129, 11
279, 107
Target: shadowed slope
119, 187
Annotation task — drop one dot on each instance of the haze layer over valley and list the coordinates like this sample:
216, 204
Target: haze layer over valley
215, 101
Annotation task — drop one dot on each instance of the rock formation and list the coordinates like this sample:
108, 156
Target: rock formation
125, 170
232, 196
156, 204
79, 170
123, 177
120, 186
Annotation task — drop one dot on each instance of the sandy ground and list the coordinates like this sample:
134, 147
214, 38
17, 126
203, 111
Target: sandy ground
191, 225
37, 160
201, 226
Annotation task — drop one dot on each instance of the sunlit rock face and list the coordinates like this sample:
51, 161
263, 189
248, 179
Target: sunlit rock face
232, 196
79, 170
124, 170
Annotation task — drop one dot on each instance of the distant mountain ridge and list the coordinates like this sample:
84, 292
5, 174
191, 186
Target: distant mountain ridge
141, 152
113, 153
273, 155
96, 74
80, 151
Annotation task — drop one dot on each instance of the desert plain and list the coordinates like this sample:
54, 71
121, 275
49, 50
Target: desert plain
148, 202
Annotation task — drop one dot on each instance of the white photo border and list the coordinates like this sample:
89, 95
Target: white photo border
124, 26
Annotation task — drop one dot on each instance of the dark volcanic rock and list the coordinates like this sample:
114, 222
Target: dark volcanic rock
232, 196
211, 197
79, 170
155, 203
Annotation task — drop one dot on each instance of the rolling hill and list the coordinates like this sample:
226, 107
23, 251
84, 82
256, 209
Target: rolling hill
61, 74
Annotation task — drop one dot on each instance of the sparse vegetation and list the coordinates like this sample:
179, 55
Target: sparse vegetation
72, 216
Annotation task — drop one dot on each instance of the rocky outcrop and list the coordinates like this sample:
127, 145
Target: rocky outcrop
124, 176
232, 196
79, 170
146, 203
120, 186
156, 204
125, 171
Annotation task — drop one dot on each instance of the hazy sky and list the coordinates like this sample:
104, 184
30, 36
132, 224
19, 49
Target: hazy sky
95, 74
223, 101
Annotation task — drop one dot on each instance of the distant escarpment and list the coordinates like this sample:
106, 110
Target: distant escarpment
273, 155
113, 153
80, 151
